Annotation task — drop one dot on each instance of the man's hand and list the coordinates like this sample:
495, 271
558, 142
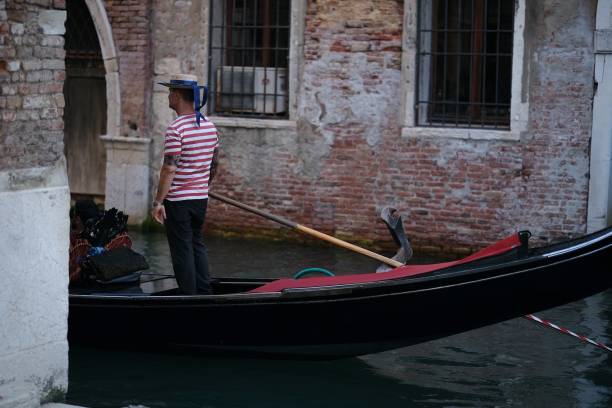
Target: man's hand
159, 213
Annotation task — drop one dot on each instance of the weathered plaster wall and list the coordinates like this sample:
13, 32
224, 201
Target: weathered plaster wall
326, 172
33, 294
555, 152
348, 158
34, 202
343, 154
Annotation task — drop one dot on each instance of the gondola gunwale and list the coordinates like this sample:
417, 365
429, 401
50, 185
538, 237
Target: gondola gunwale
464, 270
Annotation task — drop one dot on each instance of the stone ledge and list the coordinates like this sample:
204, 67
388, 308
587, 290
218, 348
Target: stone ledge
126, 139
603, 41
126, 143
461, 133
34, 178
223, 121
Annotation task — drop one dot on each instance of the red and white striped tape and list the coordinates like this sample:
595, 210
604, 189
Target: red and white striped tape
568, 332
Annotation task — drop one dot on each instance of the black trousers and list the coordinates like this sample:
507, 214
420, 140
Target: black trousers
184, 221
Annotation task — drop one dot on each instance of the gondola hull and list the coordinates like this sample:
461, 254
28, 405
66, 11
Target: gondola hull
349, 319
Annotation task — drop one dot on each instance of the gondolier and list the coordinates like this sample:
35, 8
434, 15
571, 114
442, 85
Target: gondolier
190, 158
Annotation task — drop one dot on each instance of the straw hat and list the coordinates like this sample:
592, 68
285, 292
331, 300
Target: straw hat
182, 81
186, 81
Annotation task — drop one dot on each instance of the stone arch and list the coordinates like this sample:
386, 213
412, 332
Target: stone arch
111, 65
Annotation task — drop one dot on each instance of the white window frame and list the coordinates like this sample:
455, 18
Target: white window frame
296, 51
519, 103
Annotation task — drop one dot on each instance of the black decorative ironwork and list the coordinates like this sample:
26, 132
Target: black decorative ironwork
465, 63
248, 58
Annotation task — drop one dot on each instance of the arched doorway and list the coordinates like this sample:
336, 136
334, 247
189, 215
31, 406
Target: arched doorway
85, 113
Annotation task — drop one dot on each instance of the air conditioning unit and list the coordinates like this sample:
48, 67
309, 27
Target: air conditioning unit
251, 89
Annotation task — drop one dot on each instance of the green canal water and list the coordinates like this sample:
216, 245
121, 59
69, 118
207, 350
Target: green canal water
515, 363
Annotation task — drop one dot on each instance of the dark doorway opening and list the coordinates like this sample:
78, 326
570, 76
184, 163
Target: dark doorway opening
85, 111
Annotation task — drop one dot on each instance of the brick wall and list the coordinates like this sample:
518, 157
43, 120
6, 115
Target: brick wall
31, 84
556, 151
327, 173
130, 22
348, 159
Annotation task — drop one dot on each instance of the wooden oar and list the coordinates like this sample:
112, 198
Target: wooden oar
306, 230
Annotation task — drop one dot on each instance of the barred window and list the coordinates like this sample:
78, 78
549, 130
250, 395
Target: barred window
248, 58
464, 63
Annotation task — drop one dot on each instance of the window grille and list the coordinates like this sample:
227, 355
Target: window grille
464, 62
248, 60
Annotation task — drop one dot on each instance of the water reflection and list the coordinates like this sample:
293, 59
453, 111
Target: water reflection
192, 381
516, 363
239, 257
592, 386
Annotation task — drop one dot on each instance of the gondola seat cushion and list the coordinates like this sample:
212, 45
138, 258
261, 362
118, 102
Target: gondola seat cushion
278, 285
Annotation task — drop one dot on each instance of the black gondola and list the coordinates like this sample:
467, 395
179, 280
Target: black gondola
329, 317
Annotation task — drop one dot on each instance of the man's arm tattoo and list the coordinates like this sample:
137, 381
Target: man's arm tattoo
172, 160
213, 164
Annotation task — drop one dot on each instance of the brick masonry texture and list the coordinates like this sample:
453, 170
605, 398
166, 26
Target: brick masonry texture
348, 159
32, 75
327, 175
555, 152
130, 22
31, 85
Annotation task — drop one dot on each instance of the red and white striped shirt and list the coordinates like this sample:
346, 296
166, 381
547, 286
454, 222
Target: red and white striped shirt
195, 145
